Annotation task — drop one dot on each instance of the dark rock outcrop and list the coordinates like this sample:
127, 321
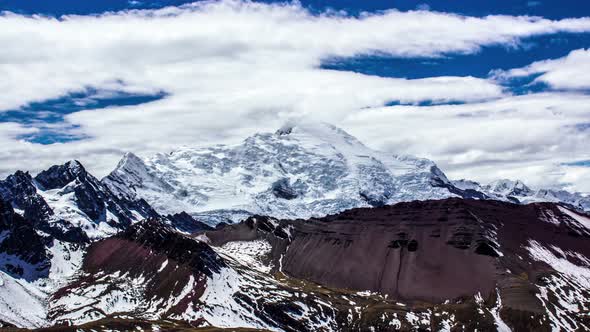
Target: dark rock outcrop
22, 249
187, 224
19, 190
154, 234
58, 176
282, 189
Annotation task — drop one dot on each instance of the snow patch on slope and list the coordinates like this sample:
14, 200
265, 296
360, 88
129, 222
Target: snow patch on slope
584, 221
221, 308
495, 311
579, 274
25, 303
248, 253
567, 286
64, 206
21, 302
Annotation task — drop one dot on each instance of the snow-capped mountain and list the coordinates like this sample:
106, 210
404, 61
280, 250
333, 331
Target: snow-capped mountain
299, 171
507, 188
517, 192
47, 222
67, 198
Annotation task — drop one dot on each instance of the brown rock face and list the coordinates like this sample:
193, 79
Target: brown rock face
435, 265
408, 260
420, 251
162, 259
412, 251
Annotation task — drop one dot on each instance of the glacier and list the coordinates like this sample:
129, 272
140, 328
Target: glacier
299, 171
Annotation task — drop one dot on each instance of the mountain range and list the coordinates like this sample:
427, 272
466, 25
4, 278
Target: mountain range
303, 229
299, 171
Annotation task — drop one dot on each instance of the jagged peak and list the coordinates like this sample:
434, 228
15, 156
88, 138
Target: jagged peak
130, 162
507, 183
19, 176
75, 166
20, 173
129, 172
128, 159
58, 176
507, 187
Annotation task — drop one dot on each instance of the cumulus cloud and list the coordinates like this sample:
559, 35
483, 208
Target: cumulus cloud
149, 49
564, 73
232, 68
519, 137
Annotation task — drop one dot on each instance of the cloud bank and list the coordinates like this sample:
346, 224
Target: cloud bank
232, 68
563, 73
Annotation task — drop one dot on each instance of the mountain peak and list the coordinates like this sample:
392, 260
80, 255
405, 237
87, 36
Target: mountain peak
509, 187
277, 174
286, 129
75, 166
130, 172
58, 176
19, 178
313, 132
129, 159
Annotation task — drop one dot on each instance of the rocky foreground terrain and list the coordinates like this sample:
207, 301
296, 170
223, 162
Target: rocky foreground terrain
433, 265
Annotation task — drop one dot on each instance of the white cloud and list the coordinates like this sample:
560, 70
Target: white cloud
568, 72
522, 137
149, 49
233, 68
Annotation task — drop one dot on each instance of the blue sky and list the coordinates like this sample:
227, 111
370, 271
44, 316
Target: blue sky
482, 87
549, 9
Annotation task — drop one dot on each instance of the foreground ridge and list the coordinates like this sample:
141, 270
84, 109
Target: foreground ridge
436, 264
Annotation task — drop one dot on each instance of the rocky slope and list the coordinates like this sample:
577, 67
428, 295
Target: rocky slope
66, 199
47, 223
446, 265
151, 272
480, 264
33, 265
